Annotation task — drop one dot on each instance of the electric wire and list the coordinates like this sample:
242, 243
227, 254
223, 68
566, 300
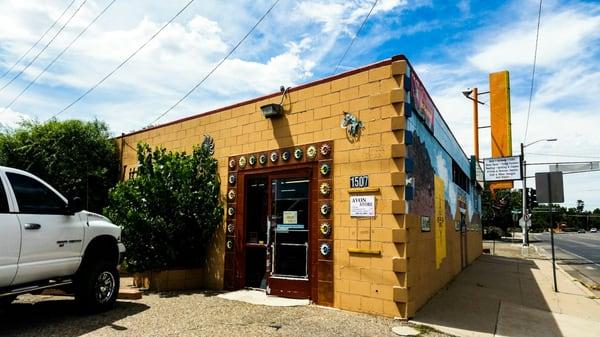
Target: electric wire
537, 36
60, 54
38, 41
120, 65
354, 38
45, 47
215, 67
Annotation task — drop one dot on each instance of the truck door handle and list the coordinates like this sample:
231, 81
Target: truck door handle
31, 226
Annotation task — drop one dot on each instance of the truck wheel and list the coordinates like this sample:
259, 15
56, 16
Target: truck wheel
97, 286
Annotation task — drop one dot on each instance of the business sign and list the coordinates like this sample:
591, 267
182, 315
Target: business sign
500, 124
502, 168
421, 101
362, 205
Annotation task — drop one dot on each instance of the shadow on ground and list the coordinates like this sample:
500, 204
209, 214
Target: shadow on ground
58, 316
487, 293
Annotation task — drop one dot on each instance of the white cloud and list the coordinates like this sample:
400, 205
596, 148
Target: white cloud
11, 119
564, 34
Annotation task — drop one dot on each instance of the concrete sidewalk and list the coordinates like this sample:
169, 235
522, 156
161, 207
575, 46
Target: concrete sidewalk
509, 295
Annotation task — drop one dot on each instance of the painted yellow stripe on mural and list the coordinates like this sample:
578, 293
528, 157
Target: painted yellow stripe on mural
440, 221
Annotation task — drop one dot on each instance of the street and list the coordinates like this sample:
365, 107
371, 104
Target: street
578, 253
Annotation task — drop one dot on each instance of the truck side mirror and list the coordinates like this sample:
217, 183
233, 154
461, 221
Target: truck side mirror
75, 205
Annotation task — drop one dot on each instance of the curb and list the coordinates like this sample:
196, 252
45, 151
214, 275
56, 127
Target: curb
577, 282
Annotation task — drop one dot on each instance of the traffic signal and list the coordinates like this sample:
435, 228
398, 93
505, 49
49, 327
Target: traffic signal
531, 198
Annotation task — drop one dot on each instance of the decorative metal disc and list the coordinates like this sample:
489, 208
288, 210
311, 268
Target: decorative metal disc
242, 162
231, 211
231, 195
325, 150
298, 153
252, 160
229, 244
325, 169
232, 179
325, 209
230, 228
285, 156
262, 159
325, 189
311, 152
325, 249
232, 163
274, 156
325, 229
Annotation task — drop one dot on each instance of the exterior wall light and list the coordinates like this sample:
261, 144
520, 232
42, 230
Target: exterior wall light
274, 110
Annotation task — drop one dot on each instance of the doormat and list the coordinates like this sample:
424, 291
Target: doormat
259, 297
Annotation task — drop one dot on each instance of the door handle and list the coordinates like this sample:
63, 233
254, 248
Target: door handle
31, 226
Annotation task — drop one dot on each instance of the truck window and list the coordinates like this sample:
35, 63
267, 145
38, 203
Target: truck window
3, 200
34, 197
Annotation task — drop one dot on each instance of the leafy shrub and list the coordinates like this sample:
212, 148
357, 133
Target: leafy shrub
170, 210
77, 158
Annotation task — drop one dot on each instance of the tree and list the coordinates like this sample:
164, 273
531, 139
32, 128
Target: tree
497, 212
580, 205
77, 158
170, 210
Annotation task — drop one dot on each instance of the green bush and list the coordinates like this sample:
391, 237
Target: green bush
170, 210
77, 158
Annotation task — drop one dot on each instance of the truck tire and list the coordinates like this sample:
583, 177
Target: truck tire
97, 286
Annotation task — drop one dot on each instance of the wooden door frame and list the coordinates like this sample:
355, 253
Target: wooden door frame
310, 171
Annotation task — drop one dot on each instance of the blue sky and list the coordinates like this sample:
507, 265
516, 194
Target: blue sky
452, 45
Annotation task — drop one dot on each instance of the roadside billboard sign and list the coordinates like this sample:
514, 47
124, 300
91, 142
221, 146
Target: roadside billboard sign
502, 168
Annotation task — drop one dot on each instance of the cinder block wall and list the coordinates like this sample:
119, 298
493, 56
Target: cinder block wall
363, 281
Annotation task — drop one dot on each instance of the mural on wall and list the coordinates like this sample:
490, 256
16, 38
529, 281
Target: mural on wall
436, 192
440, 221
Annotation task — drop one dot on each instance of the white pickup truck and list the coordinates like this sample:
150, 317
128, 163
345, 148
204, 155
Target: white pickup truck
49, 242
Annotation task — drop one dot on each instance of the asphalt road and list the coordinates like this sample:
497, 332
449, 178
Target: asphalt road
578, 253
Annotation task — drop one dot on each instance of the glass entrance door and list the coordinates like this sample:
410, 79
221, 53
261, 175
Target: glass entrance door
276, 229
289, 222
289, 218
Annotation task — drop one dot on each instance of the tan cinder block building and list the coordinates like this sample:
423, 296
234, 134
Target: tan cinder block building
356, 195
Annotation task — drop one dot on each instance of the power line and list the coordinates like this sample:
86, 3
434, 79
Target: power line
216, 66
60, 54
38, 41
45, 47
537, 35
123, 62
354, 37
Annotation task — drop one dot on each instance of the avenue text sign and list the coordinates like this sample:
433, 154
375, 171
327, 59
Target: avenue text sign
502, 168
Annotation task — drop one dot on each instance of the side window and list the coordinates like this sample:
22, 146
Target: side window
34, 197
3, 200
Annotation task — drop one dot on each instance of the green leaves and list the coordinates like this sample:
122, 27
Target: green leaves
77, 158
170, 210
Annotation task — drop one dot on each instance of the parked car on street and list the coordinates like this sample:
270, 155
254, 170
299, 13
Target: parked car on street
581, 230
49, 242
594, 230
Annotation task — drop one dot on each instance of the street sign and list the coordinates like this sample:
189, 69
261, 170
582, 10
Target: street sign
579, 167
502, 168
522, 223
546, 182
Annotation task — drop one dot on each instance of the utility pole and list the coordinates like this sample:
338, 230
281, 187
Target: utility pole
524, 195
524, 180
476, 123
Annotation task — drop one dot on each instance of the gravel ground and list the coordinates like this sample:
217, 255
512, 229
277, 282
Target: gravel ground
186, 314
